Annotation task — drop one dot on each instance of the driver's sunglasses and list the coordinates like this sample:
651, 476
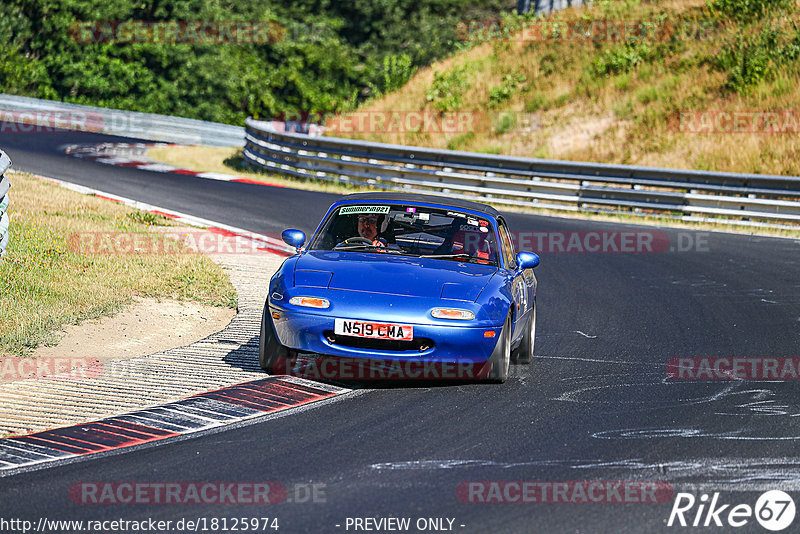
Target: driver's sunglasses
368, 220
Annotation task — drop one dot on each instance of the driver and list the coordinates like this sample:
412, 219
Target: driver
368, 226
368, 229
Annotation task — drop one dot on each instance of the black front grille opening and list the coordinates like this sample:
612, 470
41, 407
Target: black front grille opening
418, 344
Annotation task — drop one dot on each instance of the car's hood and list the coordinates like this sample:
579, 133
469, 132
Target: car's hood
392, 275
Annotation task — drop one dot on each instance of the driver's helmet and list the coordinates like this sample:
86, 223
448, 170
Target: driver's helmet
472, 241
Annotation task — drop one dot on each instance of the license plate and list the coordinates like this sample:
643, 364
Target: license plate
347, 327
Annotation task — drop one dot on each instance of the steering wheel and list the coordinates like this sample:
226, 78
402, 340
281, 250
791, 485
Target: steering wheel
358, 240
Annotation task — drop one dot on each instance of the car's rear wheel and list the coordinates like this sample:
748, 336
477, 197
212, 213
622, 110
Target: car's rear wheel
270, 350
524, 352
501, 357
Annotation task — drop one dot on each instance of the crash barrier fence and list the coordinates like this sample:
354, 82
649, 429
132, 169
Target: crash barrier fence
20, 114
729, 198
547, 6
5, 185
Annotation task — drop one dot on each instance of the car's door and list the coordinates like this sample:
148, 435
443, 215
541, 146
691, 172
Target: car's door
519, 286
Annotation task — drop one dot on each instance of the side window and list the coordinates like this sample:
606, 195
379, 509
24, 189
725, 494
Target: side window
508, 248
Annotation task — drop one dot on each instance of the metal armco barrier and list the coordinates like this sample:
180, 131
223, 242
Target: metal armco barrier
750, 199
35, 115
5, 184
547, 6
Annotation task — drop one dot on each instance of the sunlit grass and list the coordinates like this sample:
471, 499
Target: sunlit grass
47, 282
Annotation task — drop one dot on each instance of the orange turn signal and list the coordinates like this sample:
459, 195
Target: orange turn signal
452, 313
489, 333
310, 302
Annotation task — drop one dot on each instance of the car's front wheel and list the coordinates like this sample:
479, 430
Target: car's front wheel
270, 350
501, 357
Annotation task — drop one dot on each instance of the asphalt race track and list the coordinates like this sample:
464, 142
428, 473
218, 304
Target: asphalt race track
596, 403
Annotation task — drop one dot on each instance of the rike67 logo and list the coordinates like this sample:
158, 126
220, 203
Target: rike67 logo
774, 510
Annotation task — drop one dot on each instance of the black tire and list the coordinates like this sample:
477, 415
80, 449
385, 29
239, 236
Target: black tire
270, 351
501, 356
524, 352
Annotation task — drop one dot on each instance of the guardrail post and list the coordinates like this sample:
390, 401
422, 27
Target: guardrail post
5, 184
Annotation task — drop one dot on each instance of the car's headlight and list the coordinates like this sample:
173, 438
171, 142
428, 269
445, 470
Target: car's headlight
452, 313
310, 302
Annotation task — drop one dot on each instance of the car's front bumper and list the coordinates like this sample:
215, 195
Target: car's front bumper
308, 332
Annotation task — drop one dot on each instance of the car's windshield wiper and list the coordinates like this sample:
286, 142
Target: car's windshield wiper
460, 256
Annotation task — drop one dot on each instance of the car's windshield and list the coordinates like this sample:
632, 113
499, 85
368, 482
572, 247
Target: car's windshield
446, 234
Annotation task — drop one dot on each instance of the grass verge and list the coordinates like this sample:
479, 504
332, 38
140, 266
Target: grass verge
46, 283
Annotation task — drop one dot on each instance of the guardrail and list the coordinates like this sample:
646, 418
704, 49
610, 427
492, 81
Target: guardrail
547, 6
744, 199
32, 114
5, 184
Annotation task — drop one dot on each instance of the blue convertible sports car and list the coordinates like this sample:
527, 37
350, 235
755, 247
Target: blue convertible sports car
428, 286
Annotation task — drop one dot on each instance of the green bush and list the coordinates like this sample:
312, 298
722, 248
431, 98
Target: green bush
747, 62
502, 93
754, 57
622, 58
447, 88
397, 70
504, 122
790, 51
748, 10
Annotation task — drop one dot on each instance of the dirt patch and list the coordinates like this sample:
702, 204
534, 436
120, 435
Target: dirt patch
146, 327
578, 135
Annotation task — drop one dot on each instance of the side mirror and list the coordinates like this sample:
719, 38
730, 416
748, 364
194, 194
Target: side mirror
295, 238
527, 260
